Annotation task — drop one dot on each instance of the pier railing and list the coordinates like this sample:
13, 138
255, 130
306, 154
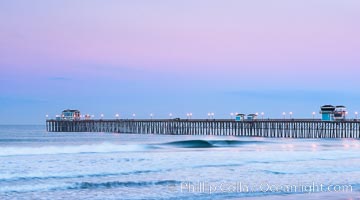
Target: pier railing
287, 128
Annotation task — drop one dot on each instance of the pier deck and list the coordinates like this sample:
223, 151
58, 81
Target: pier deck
282, 128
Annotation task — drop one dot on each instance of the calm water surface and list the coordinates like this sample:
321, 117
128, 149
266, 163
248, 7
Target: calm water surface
39, 165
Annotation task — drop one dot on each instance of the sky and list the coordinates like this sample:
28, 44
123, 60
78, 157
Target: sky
161, 57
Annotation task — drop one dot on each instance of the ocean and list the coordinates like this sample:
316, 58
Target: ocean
35, 164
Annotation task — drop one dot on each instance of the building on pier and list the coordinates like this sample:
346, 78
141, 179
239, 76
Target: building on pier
242, 117
251, 117
70, 115
239, 117
327, 112
340, 113
331, 113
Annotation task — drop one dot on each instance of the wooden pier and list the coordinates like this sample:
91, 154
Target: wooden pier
285, 128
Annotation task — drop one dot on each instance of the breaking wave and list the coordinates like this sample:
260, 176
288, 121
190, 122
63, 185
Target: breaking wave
110, 147
209, 143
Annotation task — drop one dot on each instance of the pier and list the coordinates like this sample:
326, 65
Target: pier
278, 128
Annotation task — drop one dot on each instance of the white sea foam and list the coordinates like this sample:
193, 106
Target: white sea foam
91, 148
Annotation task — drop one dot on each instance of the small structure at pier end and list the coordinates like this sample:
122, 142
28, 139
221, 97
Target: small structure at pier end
340, 113
327, 112
332, 113
70, 115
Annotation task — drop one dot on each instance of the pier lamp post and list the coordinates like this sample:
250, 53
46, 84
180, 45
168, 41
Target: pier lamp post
284, 115
313, 114
47, 117
209, 115
187, 115
346, 113
212, 115
262, 115
170, 115
133, 115
290, 113
117, 116
356, 115
102, 116
231, 115
190, 114
151, 116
